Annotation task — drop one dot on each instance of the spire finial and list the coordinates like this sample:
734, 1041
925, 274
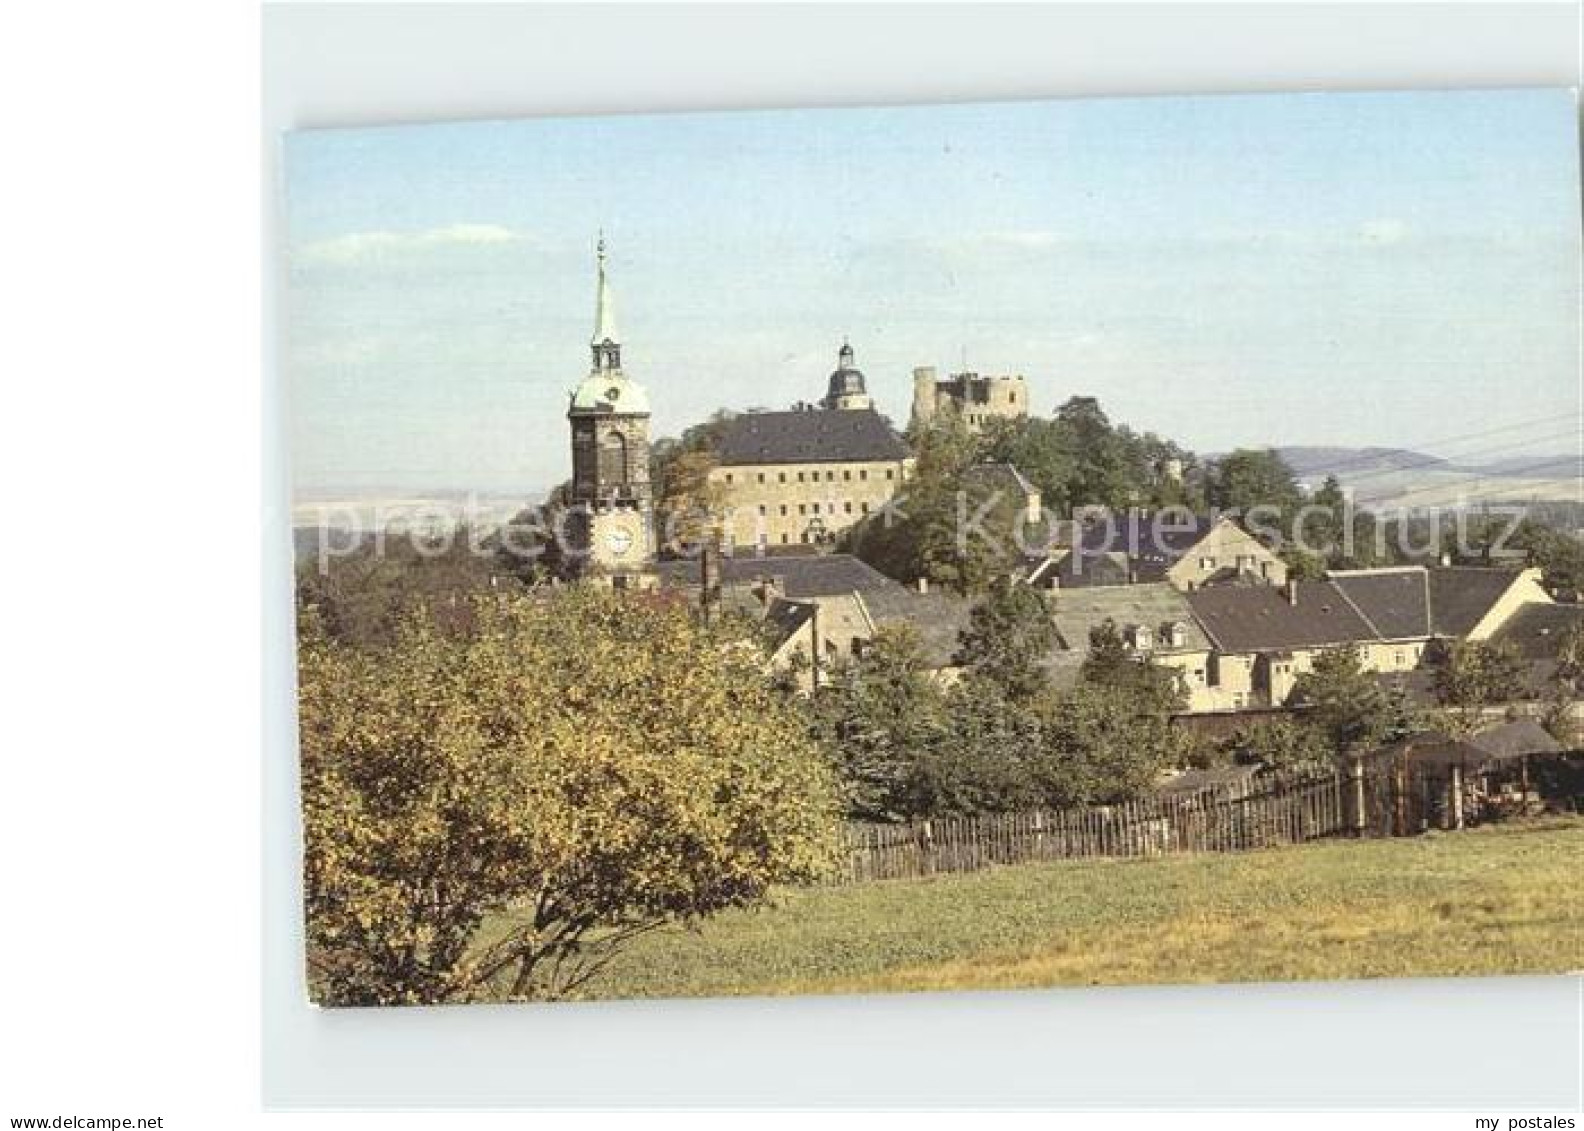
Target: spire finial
607, 354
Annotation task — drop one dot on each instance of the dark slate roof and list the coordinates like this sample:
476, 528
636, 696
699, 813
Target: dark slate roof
809, 575
1396, 602
1501, 743
1515, 739
1077, 570
1259, 618
1536, 630
1461, 595
786, 617
939, 618
1154, 541
810, 436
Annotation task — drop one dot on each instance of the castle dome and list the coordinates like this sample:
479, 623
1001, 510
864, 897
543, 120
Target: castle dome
847, 388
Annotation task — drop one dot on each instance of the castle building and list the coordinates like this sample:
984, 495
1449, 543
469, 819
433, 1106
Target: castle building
801, 477
611, 527
975, 399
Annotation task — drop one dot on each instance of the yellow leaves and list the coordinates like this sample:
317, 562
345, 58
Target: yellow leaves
585, 747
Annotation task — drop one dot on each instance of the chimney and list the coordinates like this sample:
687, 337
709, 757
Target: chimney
922, 584
1292, 591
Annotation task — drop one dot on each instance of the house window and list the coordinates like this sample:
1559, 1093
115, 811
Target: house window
846, 473
1207, 563
1011, 398
762, 510
804, 536
781, 475
890, 473
761, 477
783, 510
864, 507
830, 476
800, 477
783, 539
816, 508
847, 507
863, 474
802, 509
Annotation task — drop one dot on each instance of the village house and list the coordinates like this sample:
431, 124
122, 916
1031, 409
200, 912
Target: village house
1154, 621
1188, 551
1264, 638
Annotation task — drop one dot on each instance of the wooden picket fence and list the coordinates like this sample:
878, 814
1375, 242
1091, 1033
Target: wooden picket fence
1269, 810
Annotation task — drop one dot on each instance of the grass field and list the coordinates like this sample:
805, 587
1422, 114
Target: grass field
1502, 899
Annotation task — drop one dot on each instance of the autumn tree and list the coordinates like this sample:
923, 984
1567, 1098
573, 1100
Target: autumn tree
578, 766
688, 505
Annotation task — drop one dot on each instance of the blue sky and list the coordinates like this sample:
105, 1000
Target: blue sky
1387, 269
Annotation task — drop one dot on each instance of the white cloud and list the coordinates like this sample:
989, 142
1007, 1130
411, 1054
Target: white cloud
359, 246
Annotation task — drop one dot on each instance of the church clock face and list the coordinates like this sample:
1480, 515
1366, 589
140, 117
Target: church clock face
619, 540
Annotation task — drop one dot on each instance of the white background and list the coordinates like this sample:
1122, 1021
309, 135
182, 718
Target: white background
142, 536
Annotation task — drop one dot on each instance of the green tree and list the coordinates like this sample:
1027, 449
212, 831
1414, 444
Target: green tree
1345, 703
1156, 687
1280, 744
1471, 675
1008, 639
1103, 475
1254, 478
586, 766
884, 717
945, 526
1570, 658
1100, 745
362, 596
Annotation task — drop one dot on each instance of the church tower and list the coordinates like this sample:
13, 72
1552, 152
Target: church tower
612, 527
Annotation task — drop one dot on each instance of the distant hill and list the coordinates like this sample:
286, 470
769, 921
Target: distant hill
1401, 477
1318, 462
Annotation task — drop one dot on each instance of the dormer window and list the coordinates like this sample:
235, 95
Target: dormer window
1140, 638
1174, 634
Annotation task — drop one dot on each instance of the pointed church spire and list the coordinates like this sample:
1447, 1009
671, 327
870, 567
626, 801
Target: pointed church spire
607, 350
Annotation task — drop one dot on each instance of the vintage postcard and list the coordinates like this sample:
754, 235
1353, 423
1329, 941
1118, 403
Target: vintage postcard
941, 547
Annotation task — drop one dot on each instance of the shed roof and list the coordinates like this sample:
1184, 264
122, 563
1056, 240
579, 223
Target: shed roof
1504, 742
